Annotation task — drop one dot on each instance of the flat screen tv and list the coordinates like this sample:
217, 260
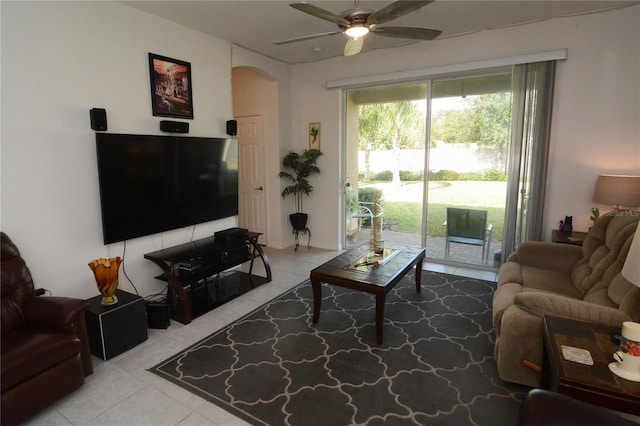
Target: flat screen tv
150, 184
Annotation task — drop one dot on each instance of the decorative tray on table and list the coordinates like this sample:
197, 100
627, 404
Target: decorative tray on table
371, 260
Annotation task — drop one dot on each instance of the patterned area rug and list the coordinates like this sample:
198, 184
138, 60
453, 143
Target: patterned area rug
435, 367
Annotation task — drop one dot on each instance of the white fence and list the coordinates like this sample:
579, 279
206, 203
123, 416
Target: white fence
456, 157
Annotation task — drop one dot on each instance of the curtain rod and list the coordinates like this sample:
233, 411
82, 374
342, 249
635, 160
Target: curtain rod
550, 55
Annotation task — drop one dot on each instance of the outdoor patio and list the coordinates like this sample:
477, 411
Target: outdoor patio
463, 253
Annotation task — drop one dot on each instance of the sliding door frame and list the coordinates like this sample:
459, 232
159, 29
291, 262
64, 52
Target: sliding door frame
515, 197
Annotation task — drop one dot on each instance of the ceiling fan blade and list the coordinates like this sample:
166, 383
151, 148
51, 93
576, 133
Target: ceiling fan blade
353, 46
320, 13
395, 10
308, 37
407, 32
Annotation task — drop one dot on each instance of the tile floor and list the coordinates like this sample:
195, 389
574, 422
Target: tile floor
122, 392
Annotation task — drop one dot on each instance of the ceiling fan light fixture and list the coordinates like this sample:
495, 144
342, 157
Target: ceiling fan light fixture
359, 21
356, 31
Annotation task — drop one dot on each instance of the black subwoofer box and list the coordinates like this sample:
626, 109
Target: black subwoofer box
115, 329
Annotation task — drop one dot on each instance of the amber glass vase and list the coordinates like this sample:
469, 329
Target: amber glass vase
105, 272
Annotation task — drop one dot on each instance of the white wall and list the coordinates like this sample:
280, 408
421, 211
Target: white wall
596, 119
59, 59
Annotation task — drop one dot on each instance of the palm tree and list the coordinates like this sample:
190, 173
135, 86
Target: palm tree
392, 125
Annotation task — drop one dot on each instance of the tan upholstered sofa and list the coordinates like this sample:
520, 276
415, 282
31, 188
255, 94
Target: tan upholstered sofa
564, 280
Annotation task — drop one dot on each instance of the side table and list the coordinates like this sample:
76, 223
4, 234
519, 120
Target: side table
115, 329
594, 384
575, 238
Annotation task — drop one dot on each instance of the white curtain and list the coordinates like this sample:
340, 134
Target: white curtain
527, 168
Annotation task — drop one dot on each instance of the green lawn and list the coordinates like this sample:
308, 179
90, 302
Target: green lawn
408, 216
404, 205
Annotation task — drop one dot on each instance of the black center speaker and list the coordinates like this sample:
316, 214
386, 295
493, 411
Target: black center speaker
98, 118
174, 126
232, 127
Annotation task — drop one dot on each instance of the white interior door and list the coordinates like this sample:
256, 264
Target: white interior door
252, 209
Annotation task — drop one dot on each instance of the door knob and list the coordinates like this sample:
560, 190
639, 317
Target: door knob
259, 188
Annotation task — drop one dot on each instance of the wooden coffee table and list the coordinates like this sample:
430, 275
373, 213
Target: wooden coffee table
350, 270
594, 384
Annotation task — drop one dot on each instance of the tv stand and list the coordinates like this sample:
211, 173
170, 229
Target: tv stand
195, 272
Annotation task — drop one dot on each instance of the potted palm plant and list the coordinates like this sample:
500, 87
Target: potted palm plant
301, 166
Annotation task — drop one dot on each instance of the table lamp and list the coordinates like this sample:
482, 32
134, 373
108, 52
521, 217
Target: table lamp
618, 190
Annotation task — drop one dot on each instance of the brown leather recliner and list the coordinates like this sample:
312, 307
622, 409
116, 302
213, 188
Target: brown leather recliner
44, 351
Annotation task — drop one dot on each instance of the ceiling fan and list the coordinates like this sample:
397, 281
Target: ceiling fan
359, 21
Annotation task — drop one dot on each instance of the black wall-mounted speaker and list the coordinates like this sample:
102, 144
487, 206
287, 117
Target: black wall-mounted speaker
174, 126
232, 127
98, 118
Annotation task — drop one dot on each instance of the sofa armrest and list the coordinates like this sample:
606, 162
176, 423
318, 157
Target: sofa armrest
59, 313
559, 258
540, 304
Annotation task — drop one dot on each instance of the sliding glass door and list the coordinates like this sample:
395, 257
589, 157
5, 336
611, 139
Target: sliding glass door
441, 164
469, 140
385, 164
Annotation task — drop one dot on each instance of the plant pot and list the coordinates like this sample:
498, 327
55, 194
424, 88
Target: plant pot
298, 221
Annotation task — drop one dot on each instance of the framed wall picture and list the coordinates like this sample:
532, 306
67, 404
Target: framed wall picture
171, 94
314, 136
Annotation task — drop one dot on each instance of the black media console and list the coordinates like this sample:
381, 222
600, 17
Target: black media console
198, 272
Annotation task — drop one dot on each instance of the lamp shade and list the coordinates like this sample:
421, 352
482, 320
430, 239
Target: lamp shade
631, 268
620, 190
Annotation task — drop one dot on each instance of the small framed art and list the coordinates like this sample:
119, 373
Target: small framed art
171, 92
314, 136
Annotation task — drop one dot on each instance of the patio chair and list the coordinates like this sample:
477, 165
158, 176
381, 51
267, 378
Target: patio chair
367, 210
467, 226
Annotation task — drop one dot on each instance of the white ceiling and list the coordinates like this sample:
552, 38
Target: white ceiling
256, 24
